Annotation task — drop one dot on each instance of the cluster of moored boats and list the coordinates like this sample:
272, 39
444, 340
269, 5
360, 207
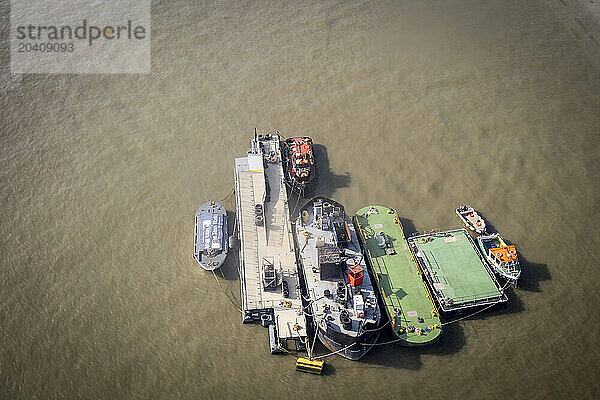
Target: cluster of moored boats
500, 256
357, 274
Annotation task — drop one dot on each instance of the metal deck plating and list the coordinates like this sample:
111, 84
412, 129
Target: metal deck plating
457, 273
404, 294
270, 285
345, 313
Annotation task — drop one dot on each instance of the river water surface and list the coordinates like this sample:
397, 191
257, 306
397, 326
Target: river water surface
418, 106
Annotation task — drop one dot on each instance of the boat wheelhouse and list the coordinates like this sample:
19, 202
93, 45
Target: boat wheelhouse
501, 257
300, 162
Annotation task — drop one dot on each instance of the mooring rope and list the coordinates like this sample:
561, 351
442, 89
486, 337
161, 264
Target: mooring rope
377, 329
312, 348
446, 323
384, 343
334, 352
230, 292
227, 198
297, 202
225, 293
478, 311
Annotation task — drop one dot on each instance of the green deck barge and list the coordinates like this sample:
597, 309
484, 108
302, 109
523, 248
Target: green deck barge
402, 291
455, 270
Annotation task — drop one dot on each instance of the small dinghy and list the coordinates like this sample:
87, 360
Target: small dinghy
471, 219
501, 257
210, 237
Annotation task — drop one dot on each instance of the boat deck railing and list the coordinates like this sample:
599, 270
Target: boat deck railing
268, 243
473, 298
433, 231
460, 302
376, 262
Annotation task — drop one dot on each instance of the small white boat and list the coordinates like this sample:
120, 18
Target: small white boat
471, 219
501, 257
210, 237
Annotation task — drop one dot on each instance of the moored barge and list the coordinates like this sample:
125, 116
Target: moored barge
340, 297
413, 316
269, 279
455, 270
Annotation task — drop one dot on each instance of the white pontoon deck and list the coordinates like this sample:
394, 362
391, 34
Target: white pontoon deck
270, 285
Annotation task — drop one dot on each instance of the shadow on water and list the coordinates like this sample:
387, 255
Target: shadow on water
531, 273
229, 269
296, 202
327, 181
326, 184
408, 227
514, 305
394, 355
328, 369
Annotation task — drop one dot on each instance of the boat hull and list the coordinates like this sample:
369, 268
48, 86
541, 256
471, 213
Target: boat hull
401, 291
511, 276
210, 261
300, 178
353, 351
471, 219
339, 293
501, 272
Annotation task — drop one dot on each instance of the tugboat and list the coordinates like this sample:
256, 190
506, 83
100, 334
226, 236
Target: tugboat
340, 297
501, 257
210, 237
404, 295
299, 164
471, 219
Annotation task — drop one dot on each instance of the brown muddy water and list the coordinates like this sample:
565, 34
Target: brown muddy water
418, 105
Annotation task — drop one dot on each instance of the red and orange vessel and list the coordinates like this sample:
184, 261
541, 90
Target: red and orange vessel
300, 165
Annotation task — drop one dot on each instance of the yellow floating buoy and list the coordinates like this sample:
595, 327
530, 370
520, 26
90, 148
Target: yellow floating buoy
305, 216
310, 366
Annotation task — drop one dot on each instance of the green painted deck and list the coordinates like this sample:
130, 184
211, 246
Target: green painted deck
455, 270
398, 277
